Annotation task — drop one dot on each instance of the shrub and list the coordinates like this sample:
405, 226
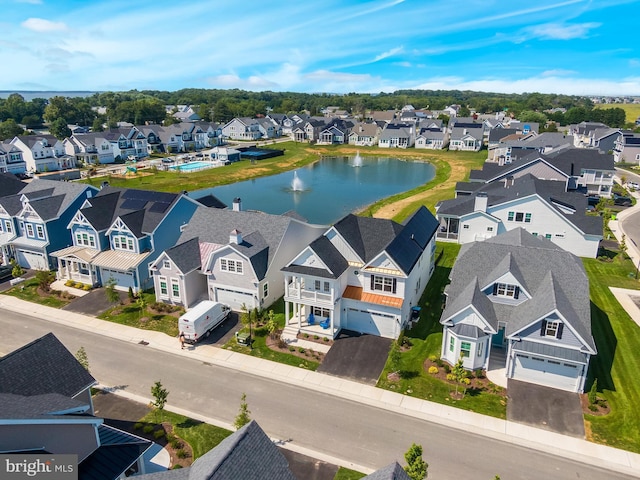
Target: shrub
439, 362
176, 466
433, 358
593, 392
433, 369
181, 453
316, 337
306, 335
326, 339
446, 367
478, 373
86, 288
292, 349
69, 283
147, 429
158, 434
78, 285
137, 426
593, 407
175, 443
281, 343
301, 350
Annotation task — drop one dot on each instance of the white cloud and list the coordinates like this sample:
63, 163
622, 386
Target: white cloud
558, 72
253, 82
42, 25
557, 31
387, 54
403, 64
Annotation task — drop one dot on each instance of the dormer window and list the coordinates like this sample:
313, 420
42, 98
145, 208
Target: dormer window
166, 264
506, 290
551, 328
121, 242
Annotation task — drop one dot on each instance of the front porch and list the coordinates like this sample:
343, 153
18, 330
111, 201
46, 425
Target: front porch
303, 320
74, 263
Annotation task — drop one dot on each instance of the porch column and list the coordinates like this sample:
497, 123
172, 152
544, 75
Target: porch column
331, 322
286, 313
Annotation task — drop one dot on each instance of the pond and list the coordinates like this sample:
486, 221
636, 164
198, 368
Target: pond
327, 190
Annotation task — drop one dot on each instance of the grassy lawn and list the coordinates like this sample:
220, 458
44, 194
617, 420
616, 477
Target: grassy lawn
28, 290
631, 110
346, 474
426, 338
259, 347
132, 316
617, 338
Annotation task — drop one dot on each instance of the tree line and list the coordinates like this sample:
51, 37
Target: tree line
148, 106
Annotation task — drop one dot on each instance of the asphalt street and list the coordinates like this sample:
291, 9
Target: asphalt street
335, 427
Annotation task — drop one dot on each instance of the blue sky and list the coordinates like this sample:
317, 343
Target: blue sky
582, 47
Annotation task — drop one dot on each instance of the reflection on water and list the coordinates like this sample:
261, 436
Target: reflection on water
327, 190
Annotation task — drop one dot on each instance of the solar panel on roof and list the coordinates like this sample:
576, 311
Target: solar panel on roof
133, 204
159, 207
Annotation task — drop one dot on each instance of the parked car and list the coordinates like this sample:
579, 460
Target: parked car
633, 185
621, 200
5, 271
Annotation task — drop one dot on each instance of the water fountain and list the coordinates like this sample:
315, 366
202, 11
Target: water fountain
357, 161
296, 184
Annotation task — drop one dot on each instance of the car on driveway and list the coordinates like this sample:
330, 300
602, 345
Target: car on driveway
633, 185
621, 200
5, 271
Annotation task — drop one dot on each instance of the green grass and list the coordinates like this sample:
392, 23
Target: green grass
259, 347
346, 474
131, 315
631, 110
28, 290
201, 436
426, 338
615, 366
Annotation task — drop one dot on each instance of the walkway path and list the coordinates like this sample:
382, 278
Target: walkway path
526, 436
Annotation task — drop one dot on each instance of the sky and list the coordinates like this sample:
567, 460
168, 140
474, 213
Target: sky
577, 47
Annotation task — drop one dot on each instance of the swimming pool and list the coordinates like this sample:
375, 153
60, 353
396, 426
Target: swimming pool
190, 167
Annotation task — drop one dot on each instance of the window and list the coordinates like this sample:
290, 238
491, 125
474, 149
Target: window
465, 349
121, 242
547, 236
265, 289
40, 231
506, 290
166, 264
327, 287
29, 230
480, 349
175, 288
465, 226
527, 218
510, 216
535, 234
321, 312
551, 329
489, 229
559, 235
384, 284
519, 216
316, 284
452, 344
234, 266
163, 287
8, 226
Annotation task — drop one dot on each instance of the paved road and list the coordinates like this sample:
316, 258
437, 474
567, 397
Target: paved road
340, 428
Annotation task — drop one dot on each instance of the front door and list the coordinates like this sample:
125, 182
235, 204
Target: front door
498, 339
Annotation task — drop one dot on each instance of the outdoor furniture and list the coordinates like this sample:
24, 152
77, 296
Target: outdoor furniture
311, 319
325, 323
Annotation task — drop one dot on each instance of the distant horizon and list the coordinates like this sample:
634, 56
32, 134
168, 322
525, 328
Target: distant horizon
567, 47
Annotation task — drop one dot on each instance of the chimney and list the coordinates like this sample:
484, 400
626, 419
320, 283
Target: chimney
509, 181
237, 204
235, 236
481, 202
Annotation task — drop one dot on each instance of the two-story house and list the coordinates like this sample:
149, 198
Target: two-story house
33, 222
364, 134
397, 135
527, 297
43, 153
127, 142
432, 138
230, 256
627, 148
11, 159
542, 207
46, 408
242, 128
364, 274
89, 148
119, 232
467, 138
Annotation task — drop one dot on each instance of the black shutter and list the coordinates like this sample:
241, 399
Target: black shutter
560, 328
516, 294
394, 285
495, 288
372, 282
543, 328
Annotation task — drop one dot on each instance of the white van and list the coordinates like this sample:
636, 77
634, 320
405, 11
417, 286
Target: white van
198, 322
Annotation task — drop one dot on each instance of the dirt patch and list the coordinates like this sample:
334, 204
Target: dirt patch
478, 381
306, 353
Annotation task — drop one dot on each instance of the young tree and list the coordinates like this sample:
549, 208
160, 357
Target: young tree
81, 356
459, 376
160, 395
142, 304
243, 416
17, 269
416, 467
45, 278
110, 291
623, 244
394, 357
593, 393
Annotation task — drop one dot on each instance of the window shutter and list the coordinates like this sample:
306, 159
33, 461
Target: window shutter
495, 289
372, 282
543, 328
516, 294
560, 328
394, 285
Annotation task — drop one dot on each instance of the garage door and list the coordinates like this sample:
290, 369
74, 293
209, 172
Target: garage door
32, 260
235, 299
542, 371
124, 280
373, 323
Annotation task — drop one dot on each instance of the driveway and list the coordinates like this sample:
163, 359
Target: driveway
357, 357
545, 407
93, 303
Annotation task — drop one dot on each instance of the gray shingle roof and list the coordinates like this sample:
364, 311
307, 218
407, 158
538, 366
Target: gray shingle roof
392, 471
37, 407
366, 235
186, 255
10, 185
330, 256
566, 289
43, 366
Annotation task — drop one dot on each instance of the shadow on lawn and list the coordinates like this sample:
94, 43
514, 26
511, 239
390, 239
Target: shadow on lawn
606, 343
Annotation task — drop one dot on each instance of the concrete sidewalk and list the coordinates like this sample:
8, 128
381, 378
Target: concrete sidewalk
523, 435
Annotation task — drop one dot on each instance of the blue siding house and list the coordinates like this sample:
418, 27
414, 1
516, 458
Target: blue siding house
33, 222
119, 232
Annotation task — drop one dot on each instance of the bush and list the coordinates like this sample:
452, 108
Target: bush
175, 443
447, 368
433, 358
86, 288
137, 426
301, 350
316, 337
176, 466
69, 283
433, 369
593, 407
478, 373
147, 429
281, 343
326, 339
439, 362
158, 434
292, 349
181, 453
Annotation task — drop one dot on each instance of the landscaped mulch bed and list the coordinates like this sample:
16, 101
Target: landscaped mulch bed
478, 380
599, 408
183, 459
305, 353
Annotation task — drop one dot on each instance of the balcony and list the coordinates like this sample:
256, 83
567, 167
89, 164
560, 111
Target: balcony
310, 296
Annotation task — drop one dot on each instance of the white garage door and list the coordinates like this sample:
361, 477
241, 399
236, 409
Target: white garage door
557, 374
124, 280
32, 260
374, 323
234, 298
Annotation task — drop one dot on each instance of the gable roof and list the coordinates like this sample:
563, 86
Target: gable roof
392, 471
43, 366
47, 406
328, 254
367, 236
185, 255
10, 184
